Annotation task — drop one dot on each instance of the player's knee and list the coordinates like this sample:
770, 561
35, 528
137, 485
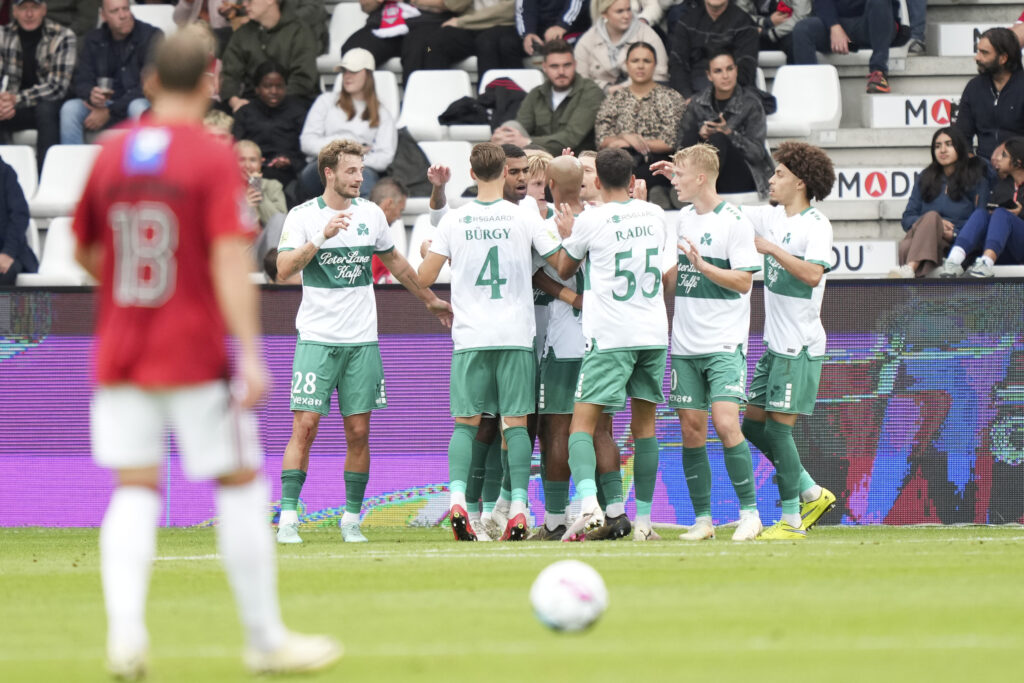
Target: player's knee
304, 428
357, 434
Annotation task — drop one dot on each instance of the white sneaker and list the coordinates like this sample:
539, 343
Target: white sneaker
126, 664
702, 530
749, 527
351, 533
296, 654
645, 533
948, 269
288, 533
904, 272
587, 521
981, 269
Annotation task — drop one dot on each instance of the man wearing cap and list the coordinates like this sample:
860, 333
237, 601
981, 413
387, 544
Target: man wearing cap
37, 58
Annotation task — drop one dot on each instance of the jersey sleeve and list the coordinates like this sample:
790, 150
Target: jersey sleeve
742, 253
437, 214
226, 211
545, 240
441, 242
383, 243
293, 234
578, 243
759, 217
819, 242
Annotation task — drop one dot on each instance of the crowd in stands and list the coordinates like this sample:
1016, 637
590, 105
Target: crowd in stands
648, 76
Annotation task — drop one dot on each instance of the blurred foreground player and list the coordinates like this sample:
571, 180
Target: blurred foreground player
167, 238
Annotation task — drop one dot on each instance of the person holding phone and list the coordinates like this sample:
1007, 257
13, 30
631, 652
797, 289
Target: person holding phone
997, 228
731, 119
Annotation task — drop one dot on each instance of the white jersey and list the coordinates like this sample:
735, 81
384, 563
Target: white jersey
489, 245
793, 309
709, 318
565, 324
526, 202
338, 306
627, 247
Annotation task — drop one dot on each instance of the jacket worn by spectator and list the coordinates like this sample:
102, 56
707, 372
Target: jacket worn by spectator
14, 221
480, 16
571, 125
55, 63
829, 11
81, 16
121, 60
761, 10
994, 117
956, 212
275, 129
289, 42
604, 62
696, 36
536, 16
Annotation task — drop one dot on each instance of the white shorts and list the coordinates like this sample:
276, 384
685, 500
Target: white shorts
214, 436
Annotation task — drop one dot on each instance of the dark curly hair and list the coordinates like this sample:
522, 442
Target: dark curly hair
810, 164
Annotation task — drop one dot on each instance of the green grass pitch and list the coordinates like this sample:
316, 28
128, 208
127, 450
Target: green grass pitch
861, 604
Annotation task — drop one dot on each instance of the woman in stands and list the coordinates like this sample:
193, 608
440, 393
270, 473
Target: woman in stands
945, 194
731, 119
353, 112
642, 118
273, 120
601, 51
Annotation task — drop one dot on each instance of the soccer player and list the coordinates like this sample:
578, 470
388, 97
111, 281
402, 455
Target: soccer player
626, 328
589, 194
493, 366
331, 240
796, 240
167, 239
709, 335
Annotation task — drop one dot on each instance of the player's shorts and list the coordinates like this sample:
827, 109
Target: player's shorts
784, 384
608, 377
356, 372
493, 382
699, 382
557, 387
215, 437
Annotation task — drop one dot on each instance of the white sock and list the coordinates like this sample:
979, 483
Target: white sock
987, 260
749, 513
589, 504
615, 509
813, 493
288, 517
474, 516
553, 521
350, 518
956, 255
247, 550
516, 508
643, 520
458, 498
502, 505
793, 520
127, 548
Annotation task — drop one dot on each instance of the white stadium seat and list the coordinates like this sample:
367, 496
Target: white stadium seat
22, 159
387, 90
399, 236
161, 16
527, 79
346, 19
58, 266
65, 172
808, 98
427, 95
422, 230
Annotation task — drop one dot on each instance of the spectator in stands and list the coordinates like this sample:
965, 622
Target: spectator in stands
996, 228
270, 270
775, 20
273, 32
399, 29
541, 21
273, 120
222, 16
107, 82
945, 194
643, 119
992, 104
558, 113
601, 51
37, 58
264, 195
390, 195
704, 28
355, 113
81, 16
219, 125
483, 28
15, 255
917, 14
731, 119
841, 26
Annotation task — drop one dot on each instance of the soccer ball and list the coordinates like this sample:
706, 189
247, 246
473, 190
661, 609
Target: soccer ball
568, 596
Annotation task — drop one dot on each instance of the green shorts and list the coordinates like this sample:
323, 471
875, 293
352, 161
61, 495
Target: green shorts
493, 382
557, 386
607, 377
354, 371
699, 382
784, 384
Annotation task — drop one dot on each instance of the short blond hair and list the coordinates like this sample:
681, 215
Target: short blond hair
248, 144
702, 156
334, 150
215, 118
538, 165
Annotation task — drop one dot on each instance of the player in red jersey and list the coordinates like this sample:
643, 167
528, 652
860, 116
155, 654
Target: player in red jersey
163, 225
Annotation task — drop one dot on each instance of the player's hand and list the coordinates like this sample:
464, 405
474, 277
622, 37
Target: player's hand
762, 245
6, 261
253, 196
279, 162
564, 220
567, 152
839, 41
442, 309
337, 223
97, 118
439, 175
666, 169
577, 303
947, 230
639, 190
690, 251
250, 387
424, 248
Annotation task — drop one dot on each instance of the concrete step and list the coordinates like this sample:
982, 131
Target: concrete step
909, 111
873, 147
958, 39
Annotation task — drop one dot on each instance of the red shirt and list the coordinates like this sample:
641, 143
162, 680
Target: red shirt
156, 200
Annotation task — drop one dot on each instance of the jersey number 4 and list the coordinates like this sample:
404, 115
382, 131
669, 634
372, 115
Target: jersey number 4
145, 240
494, 279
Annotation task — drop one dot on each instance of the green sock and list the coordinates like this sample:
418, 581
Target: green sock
787, 465
355, 488
460, 456
492, 475
519, 455
645, 472
506, 476
698, 479
475, 485
806, 480
583, 463
754, 432
291, 487
611, 485
556, 496
741, 474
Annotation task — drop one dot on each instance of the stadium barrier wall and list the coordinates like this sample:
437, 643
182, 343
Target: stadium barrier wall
920, 416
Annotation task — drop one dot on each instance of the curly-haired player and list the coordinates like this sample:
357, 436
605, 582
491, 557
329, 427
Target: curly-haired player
796, 240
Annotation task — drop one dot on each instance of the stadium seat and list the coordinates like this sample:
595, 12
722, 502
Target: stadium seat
65, 172
23, 159
161, 16
399, 236
771, 58
808, 98
387, 90
58, 266
427, 95
29, 136
455, 155
422, 230
33, 238
346, 19
527, 79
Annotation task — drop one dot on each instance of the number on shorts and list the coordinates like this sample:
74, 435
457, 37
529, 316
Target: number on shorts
145, 268
494, 280
310, 385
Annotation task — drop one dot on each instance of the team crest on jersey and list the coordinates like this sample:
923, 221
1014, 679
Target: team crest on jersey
362, 230
467, 220
616, 218
706, 238
146, 151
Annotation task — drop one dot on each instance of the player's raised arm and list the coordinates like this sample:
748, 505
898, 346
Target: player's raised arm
291, 261
438, 176
404, 273
549, 286
807, 272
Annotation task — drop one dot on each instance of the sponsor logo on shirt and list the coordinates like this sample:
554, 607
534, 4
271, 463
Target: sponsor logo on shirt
306, 401
787, 238
350, 265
